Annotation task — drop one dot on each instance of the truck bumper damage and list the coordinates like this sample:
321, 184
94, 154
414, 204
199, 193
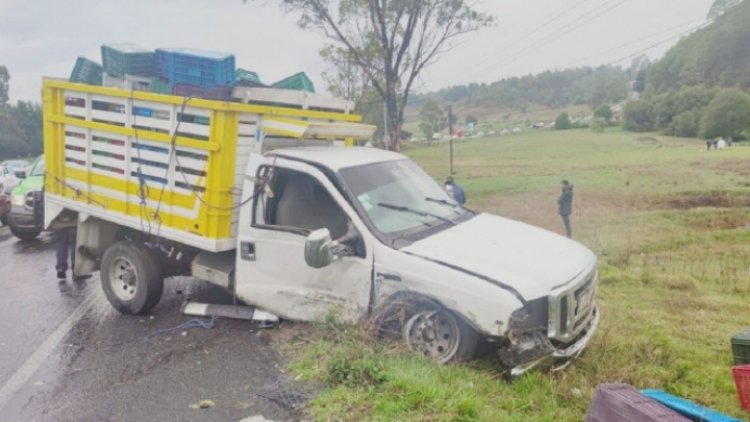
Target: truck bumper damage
533, 349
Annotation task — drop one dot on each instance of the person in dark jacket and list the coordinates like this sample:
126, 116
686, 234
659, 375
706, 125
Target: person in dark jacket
565, 205
454, 189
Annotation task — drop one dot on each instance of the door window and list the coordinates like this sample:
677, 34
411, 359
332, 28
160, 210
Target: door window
298, 202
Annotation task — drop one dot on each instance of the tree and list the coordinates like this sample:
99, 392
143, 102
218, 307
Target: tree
471, 120
392, 41
563, 121
4, 86
434, 115
598, 124
345, 79
727, 115
427, 131
686, 124
605, 112
638, 116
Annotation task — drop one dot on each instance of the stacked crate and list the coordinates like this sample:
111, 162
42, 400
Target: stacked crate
194, 67
127, 59
86, 72
296, 82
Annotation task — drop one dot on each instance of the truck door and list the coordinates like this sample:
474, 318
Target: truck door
271, 270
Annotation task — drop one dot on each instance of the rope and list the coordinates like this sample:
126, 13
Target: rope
77, 191
193, 323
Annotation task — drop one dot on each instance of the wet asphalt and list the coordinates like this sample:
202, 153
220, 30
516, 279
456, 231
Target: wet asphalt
67, 355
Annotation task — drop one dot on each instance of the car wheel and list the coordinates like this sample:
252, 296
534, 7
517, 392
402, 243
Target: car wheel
131, 278
23, 234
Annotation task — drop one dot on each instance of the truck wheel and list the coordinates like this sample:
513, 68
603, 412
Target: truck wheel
131, 278
438, 334
23, 234
426, 328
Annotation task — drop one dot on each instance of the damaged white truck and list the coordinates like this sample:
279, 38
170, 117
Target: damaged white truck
267, 199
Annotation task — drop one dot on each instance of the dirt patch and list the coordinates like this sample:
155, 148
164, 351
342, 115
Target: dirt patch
649, 140
739, 167
715, 199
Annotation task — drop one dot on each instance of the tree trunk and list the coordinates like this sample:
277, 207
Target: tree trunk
394, 122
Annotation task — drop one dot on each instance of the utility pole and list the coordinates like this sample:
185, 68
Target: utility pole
450, 140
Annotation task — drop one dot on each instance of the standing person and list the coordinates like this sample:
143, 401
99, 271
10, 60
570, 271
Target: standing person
65, 245
455, 190
565, 205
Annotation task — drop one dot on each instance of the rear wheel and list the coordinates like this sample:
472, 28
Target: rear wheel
131, 278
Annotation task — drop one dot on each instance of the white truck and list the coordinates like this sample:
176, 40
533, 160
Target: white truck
266, 199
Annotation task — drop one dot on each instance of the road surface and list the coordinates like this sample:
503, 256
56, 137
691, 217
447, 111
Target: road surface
66, 355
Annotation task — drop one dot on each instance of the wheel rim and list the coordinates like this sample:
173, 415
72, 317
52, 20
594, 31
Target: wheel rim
434, 334
123, 279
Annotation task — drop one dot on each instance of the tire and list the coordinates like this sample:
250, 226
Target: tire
23, 234
416, 321
131, 278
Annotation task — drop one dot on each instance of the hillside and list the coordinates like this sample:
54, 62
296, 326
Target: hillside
718, 55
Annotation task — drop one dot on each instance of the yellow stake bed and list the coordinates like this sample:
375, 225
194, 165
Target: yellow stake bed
170, 166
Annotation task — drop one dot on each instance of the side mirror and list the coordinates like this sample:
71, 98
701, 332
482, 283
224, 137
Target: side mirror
21, 174
318, 252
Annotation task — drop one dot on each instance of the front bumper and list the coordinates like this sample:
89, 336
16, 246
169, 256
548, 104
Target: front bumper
541, 353
22, 218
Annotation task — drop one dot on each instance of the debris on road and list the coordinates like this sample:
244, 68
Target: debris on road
203, 404
193, 323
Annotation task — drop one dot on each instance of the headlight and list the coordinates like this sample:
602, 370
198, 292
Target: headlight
18, 200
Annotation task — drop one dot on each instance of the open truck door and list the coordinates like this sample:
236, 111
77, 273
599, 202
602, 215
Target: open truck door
296, 200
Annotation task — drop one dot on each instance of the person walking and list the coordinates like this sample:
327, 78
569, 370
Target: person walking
565, 205
455, 190
65, 246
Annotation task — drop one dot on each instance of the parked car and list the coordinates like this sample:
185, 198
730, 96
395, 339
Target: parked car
17, 167
26, 216
8, 179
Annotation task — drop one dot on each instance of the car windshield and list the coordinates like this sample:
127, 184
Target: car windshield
398, 196
38, 169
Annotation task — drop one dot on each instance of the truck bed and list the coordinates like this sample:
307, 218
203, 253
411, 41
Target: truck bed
166, 165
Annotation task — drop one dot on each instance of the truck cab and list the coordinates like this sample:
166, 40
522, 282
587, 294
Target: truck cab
367, 234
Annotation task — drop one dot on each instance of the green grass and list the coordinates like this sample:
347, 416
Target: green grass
671, 226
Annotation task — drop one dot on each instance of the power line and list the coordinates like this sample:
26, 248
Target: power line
555, 34
609, 50
658, 44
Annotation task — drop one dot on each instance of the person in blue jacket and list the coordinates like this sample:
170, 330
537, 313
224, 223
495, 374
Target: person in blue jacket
565, 205
454, 189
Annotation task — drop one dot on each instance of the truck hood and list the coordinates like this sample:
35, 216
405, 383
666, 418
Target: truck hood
529, 259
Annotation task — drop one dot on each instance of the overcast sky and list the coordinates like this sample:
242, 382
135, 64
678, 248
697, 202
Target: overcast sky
44, 37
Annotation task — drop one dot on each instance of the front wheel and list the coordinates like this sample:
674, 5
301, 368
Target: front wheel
131, 278
25, 235
439, 335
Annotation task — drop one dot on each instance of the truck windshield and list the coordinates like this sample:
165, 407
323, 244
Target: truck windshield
399, 198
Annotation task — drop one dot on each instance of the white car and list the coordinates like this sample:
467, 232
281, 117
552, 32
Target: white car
8, 179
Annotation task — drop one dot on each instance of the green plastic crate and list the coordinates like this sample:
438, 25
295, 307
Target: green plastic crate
741, 347
247, 75
160, 86
86, 72
296, 82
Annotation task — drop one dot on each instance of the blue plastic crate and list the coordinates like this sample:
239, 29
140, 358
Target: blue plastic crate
688, 408
194, 67
127, 59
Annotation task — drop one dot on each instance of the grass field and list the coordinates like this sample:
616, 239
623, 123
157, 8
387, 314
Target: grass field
670, 224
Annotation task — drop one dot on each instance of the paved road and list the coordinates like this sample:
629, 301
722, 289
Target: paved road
66, 355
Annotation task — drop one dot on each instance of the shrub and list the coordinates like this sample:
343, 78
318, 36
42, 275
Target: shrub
562, 122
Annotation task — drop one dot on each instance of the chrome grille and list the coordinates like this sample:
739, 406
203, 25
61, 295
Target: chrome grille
571, 308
